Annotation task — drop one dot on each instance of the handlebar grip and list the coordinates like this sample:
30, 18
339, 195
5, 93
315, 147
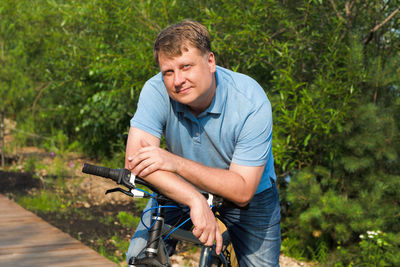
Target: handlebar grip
113, 174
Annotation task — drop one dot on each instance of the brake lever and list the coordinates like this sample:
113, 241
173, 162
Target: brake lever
133, 193
118, 189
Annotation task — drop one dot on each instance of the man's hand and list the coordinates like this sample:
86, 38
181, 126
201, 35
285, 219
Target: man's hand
206, 228
149, 159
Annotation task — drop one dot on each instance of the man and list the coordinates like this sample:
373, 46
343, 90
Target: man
218, 129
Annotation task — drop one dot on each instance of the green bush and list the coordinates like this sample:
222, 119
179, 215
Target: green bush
378, 249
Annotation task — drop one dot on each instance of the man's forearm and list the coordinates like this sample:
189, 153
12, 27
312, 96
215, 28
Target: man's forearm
174, 187
225, 183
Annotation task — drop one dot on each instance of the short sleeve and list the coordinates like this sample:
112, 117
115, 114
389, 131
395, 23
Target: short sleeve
254, 142
152, 108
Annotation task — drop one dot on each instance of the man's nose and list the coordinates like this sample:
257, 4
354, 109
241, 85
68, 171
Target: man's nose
179, 79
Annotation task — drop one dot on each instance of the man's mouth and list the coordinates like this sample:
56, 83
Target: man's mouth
182, 90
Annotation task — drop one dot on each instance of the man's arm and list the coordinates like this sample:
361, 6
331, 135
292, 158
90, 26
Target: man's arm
238, 184
206, 228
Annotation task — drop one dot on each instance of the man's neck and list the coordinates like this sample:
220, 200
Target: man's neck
206, 102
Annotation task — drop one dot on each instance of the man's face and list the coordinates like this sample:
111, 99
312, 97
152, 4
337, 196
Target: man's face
189, 78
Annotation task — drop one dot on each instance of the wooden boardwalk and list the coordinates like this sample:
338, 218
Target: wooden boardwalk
27, 240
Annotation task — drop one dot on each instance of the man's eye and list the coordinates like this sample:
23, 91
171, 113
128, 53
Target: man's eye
166, 73
186, 66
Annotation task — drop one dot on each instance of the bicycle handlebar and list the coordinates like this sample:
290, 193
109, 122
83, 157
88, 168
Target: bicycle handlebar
113, 174
120, 176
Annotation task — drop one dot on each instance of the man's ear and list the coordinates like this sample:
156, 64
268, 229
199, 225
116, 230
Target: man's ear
211, 62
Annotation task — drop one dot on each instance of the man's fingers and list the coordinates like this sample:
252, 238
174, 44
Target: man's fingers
210, 240
200, 234
196, 232
205, 239
218, 239
130, 165
145, 168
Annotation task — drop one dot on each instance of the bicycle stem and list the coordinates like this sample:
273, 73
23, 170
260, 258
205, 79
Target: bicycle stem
155, 233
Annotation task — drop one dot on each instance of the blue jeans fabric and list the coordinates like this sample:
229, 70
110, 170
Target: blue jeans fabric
255, 232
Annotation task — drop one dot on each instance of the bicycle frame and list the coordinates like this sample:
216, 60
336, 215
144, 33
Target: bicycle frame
155, 251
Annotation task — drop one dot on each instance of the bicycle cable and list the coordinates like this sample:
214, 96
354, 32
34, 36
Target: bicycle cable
153, 208
174, 228
181, 225
153, 196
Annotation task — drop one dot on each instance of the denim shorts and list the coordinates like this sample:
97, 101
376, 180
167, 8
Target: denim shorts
255, 232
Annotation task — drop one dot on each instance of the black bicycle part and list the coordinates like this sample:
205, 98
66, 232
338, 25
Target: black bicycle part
225, 258
169, 229
152, 262
121, 176
153, 242
118, 189
155, 233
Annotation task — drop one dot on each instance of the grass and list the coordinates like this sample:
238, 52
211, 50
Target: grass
128, 220
45, 202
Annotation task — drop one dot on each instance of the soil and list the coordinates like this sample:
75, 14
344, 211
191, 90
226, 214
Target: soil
13, 182
84, 217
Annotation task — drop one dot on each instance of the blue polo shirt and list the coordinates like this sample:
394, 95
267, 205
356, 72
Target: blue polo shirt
236, 127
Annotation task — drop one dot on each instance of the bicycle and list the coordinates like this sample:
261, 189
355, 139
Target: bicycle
155, 251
